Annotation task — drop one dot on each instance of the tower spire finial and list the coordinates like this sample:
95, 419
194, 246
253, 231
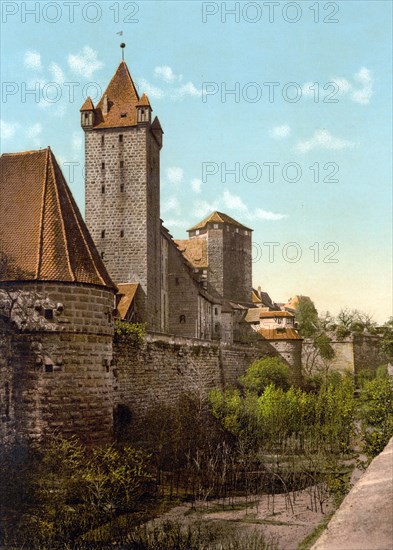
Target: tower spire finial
122, 46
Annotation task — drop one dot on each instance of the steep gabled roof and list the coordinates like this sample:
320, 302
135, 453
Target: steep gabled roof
122, 97
127, 292
42, 233
218, 217
88, 105
144, 101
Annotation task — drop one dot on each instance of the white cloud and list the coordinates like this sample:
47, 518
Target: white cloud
186, 90
260, 214
174, 174
322, 139
57, 73
279, 132
8, 129
171, 204
363, 95
33, 133
202, 208
360, 95
182, 224
152, 91
235, 203
166, 73
32, 60
85, 63
196, 185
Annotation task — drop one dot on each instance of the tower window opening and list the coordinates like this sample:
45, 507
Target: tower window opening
48, 314
122, 188
103, 234
102, 165
142, 111
48, 368
182, 319
102, 255
215, 226
122, 233
122, 164
177, 281
102, 140
121, 138
103, 189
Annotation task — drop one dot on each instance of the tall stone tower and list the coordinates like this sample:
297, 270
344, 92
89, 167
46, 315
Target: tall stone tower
122, 181
228, 246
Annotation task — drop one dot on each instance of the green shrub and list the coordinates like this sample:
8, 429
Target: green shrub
376, 414
264, 372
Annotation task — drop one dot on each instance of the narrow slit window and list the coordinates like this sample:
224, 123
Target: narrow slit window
102, 140
103, 165
122, 233
120, 138
122, 188
103, 189
122, 164
103, 234
102, 255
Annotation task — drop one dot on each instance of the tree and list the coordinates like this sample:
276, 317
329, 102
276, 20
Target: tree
317, 349
387, 338
306, 316
263, 372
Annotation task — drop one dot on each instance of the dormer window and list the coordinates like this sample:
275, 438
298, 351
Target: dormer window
197, 232
123, 115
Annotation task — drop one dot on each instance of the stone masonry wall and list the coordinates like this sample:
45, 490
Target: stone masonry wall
165, 367
122, 209
59, 371
7, 417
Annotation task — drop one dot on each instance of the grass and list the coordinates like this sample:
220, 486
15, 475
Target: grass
314, 535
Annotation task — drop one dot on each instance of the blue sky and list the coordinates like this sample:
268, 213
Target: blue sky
186, 56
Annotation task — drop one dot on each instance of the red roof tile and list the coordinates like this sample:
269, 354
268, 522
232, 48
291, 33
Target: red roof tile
88, 105
127, 292
218, 217
42, 233
144, 101
195, 250
122, 97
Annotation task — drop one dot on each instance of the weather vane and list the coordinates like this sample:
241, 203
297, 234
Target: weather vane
122, 46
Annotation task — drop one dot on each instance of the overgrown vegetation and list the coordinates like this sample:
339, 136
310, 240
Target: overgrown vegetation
264, 436
130, 335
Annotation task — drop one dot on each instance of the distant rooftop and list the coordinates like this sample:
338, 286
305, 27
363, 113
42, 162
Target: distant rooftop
218, 217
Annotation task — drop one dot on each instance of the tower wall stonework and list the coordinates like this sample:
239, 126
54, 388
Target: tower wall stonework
123, 209
59, 365
230, 260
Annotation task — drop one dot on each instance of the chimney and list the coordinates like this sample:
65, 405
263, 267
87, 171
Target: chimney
105, 105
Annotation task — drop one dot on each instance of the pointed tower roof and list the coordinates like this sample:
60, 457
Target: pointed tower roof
42, 234
144, 102
88, 105
218, 217
122, 97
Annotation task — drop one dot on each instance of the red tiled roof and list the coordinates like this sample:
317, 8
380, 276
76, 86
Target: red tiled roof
122, 99
42, 233
272, 314
144, 101
279, 334
218, 217
195, 250
88, 105
127, 292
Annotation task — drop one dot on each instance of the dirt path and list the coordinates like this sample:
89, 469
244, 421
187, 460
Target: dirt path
288, 521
